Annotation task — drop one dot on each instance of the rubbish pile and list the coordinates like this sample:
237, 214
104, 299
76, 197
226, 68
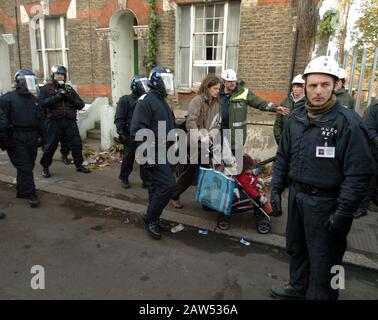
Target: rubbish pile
96, 159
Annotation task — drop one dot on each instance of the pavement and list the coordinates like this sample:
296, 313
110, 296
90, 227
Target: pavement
102, 187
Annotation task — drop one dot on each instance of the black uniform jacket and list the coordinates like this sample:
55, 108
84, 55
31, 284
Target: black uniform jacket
330, 152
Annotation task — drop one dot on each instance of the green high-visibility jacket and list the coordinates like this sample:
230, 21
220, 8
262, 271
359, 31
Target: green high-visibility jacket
237, 101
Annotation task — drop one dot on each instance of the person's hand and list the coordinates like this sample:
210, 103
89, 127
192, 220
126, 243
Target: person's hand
262, 200
283, 111
275, 198
123, 138
5, 142
62, 91
340, 222
68, 89
41, 142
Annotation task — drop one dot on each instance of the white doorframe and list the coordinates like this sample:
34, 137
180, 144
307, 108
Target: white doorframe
121, 53
5, 74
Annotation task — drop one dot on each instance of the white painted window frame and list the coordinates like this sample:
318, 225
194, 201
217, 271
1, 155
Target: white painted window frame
63, 47
202, 63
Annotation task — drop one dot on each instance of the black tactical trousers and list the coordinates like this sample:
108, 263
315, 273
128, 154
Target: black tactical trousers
22, 154
313, 250
55, 130
161, 188
128, 162
64, 146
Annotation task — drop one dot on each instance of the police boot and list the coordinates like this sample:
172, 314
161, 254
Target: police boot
2, 215
286, 292
34, 201
125, 183
164, 226
152, 228
46, 172
359, 213
66, 160
83, 169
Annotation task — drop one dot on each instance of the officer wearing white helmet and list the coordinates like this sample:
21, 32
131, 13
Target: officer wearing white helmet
234, 101
294, 100
325, 161
342, 95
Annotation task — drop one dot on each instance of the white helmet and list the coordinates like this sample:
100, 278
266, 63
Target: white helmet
342, 73
298, 79
229, 75
323, 64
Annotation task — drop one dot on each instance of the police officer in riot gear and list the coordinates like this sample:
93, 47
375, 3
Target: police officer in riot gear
324, 159
371, 121
122, 120
151, 109
61, 103
22, 131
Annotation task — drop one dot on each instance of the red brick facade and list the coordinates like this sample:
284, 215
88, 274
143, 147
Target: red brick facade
264, 52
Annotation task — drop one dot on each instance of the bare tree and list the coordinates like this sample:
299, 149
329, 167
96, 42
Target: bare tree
343, 7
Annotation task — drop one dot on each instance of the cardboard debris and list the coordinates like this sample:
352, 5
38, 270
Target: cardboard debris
96, 159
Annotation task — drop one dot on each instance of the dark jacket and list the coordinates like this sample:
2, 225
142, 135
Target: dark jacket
281, 120
348, 172
124, 113
149, 110
234, 107
57, 105
20, 111
345, 98
371, 120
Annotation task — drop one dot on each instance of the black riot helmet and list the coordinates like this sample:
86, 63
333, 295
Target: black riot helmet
26, 81
139, 85
61, 70
162, 79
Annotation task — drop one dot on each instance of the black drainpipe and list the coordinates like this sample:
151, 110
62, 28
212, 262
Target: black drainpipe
18, 34
293, 57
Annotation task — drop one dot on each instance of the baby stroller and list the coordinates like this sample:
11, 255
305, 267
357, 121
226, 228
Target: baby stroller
241, 201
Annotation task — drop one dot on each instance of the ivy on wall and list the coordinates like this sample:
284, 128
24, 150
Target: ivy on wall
152, 45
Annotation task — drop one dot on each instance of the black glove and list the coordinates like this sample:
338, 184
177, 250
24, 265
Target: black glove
375, 141
58, 97
275, 198
123, 138
340, 222
5, 142
41, 142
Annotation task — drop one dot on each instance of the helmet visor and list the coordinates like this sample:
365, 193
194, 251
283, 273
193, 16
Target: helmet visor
144, 84
169, 84
30, 83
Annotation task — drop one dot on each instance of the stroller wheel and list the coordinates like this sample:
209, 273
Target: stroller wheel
224, 222
263, 226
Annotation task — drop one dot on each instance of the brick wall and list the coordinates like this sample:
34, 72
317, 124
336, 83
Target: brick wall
167, 40
266, 41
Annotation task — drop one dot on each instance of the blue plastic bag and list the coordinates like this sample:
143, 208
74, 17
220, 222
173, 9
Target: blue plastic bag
215, 190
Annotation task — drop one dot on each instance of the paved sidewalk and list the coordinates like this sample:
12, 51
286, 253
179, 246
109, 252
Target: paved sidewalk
103, 187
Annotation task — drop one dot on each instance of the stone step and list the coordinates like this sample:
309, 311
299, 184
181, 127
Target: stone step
94, 134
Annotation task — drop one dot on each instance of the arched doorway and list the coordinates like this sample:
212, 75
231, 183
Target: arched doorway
5, 74
123, 52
